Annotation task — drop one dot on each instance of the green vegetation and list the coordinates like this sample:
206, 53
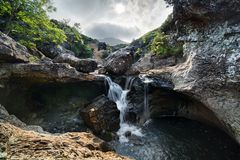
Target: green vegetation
76, 42
139, 51
33, 59
159, 42
27, 22
161, 46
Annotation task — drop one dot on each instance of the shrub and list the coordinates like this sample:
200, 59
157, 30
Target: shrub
162, 47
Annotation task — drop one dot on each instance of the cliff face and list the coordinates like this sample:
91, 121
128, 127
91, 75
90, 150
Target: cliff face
210, 31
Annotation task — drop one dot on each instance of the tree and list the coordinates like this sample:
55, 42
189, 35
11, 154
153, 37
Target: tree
76, 42
27, 22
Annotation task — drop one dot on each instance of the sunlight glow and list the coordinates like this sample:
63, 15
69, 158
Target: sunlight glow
119, 8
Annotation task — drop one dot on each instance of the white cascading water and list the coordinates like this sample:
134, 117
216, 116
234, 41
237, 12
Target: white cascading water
119, 96
146, 113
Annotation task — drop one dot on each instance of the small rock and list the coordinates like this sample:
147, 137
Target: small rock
128, 134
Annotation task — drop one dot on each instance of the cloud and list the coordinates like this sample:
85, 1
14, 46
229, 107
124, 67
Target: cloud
140, 16
107, 30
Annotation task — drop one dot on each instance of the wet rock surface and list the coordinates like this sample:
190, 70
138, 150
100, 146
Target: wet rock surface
101, 115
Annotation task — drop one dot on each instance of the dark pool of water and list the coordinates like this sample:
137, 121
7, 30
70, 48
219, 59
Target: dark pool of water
54, 107
180, 139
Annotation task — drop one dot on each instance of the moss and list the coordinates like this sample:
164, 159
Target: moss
33, 59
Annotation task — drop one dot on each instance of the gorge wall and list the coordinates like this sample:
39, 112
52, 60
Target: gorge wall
211, 72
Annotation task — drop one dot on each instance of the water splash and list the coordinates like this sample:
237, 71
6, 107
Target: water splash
119, 96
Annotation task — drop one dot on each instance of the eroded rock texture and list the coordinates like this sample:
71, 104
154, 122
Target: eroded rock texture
211, 72
16, 143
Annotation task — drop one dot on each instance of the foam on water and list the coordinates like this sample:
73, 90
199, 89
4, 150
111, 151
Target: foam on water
119, 96
124, 128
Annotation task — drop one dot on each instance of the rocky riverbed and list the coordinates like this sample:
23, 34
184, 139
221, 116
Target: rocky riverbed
42, 98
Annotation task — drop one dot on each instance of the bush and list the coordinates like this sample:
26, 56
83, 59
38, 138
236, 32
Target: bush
161, 46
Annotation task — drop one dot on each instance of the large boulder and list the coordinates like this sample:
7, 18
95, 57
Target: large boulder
81, 65
52, 51
101, 115
118, 62
11, 51
211, 72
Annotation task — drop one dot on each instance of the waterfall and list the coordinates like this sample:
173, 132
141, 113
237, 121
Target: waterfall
129, 82
119, 96
146, 113
146, 102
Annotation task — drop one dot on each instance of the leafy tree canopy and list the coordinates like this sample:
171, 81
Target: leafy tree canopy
27, 22
76, 42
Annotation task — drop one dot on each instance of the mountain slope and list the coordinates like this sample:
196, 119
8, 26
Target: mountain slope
112, 41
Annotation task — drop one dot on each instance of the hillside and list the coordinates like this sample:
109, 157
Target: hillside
112, 41
160, 42
28, 23
143, 44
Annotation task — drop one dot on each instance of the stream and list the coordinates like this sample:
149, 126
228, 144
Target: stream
55, 108
179, 139
167, 138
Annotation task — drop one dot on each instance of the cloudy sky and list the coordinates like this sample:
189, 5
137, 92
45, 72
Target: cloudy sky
123, 19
